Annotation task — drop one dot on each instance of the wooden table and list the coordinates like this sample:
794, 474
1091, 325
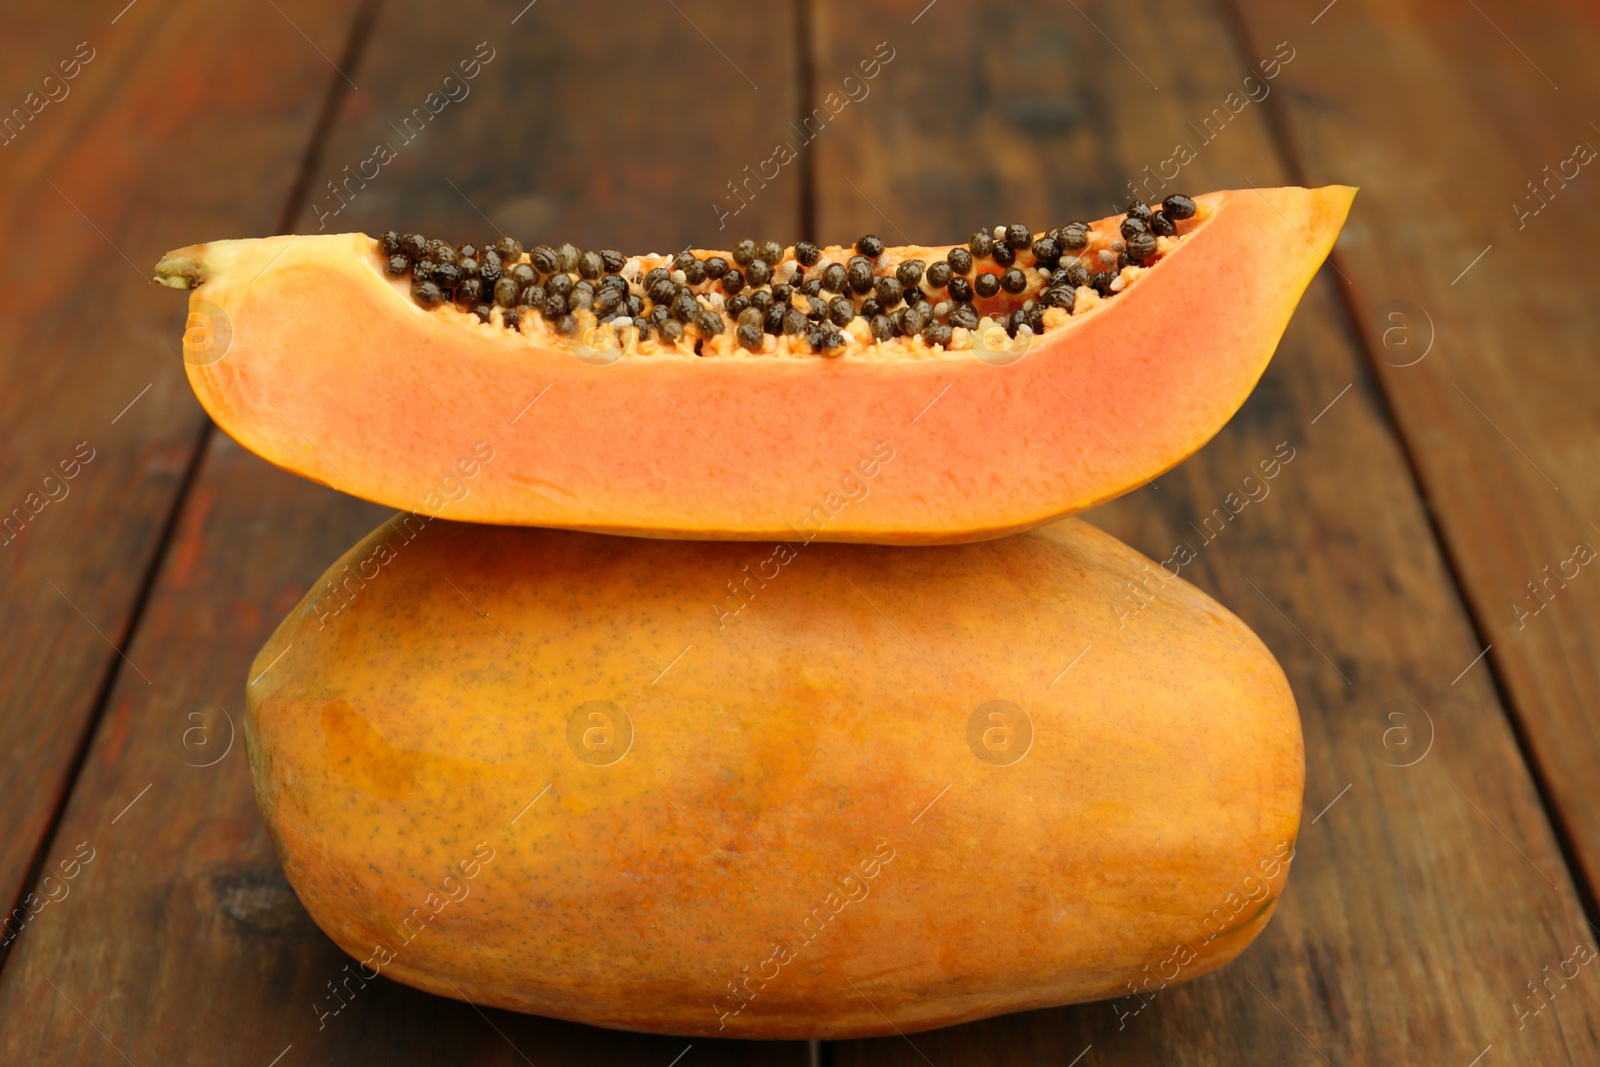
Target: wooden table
1439, 388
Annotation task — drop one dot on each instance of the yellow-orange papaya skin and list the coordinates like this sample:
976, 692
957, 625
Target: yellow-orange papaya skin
766, 791
305, 353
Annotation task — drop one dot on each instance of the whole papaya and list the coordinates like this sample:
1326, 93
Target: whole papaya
785, 790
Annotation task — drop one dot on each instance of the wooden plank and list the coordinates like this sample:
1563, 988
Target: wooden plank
153, 127
1453, 108
1422, 898
562, 137
180, 941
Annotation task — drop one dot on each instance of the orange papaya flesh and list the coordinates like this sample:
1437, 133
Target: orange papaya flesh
703, 788
309, 354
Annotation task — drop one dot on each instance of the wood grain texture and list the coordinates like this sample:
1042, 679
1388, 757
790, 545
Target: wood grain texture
566, 135
181, 941
1425, 897
166, 132
1475, 111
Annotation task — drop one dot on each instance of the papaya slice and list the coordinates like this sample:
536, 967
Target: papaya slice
831, 395
773, 791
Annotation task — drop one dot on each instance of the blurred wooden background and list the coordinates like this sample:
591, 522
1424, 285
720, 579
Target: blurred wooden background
1439, 388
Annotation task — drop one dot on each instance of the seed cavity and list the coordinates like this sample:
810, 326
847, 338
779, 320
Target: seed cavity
803, 298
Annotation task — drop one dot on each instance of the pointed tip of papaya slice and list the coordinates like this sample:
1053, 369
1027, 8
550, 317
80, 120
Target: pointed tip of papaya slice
982, 397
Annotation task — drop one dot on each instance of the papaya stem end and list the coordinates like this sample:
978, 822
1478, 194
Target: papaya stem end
180, 269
